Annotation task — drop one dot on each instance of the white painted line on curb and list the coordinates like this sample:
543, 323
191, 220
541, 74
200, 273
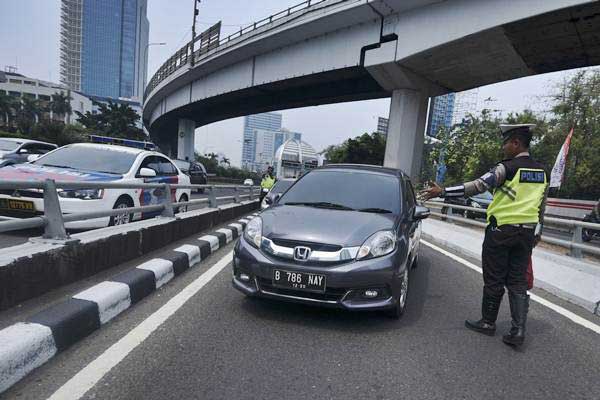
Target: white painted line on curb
193, 253
112, 298
245, 221
162, 269
238, 227
23, 348
228, 234
213, 240
554, 307
87, 378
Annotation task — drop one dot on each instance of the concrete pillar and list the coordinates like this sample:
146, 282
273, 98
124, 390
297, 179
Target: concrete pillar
185, 139
406, 131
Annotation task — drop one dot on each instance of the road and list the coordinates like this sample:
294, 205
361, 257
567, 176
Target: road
222, 345
9, 239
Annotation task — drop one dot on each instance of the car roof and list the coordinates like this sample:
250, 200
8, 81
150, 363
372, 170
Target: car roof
366, 167
23, 141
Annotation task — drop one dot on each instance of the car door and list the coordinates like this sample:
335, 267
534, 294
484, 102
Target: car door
414, 232
165, 173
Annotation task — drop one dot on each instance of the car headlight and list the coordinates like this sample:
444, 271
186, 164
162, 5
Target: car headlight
377, 245
82, 194
253, 232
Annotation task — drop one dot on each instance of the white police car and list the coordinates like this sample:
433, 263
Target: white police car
88, 162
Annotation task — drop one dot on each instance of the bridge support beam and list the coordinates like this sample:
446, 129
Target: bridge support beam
406, 131
185, 139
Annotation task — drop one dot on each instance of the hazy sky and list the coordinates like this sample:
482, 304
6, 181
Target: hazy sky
30, 40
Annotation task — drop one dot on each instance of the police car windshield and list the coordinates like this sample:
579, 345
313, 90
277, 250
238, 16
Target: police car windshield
8, 145
352, 189
89, 159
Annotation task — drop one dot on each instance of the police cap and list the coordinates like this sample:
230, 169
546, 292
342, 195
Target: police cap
507, 130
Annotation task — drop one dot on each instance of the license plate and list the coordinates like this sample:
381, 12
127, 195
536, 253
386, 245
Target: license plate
299, 280
17, 205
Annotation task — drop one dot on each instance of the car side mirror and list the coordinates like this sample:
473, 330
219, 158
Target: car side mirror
147, 173
269, 200
421, 213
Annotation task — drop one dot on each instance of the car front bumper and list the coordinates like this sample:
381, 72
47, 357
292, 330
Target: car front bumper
345, 282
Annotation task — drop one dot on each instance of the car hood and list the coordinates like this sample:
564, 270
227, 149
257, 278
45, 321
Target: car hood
319, 225
32, 172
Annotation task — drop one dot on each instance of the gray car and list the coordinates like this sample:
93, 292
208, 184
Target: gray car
18, 151
343, 236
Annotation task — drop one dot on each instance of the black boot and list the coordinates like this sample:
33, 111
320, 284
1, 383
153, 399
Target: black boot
489, 312
519, 306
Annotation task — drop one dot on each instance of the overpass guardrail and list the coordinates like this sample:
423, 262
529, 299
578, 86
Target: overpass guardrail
575, 245
53, 220
183, 56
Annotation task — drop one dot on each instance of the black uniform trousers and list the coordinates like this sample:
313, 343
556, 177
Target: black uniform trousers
505, 257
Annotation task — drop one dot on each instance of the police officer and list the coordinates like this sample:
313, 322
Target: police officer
515, 217
267, 182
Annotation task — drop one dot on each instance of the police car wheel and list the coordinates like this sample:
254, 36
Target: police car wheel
400, 305
121, 219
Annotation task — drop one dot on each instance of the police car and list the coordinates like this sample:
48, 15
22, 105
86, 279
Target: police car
89, 162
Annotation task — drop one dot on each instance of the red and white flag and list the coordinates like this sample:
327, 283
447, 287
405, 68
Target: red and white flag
558, 170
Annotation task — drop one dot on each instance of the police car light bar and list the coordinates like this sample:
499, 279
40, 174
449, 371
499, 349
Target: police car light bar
138, 144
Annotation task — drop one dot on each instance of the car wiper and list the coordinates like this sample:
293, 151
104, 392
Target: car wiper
56, 166
321, 204
375, 210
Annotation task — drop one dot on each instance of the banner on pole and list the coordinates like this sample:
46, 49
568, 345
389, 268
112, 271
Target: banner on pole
558, 170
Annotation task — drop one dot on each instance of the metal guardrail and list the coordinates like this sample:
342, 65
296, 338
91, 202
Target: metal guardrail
183, 56
53, 220
576, 246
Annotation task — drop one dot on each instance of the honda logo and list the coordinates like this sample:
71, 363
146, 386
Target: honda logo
301, 253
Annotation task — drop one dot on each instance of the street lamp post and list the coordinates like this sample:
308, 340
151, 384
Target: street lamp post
146, 61
194, 32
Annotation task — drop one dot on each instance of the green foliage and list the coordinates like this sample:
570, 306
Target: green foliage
364, 149
113, 119
211, 163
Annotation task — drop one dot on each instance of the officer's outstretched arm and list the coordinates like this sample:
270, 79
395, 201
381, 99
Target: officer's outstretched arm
490, 180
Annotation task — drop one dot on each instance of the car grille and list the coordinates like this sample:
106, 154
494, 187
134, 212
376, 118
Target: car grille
331, 294
313, 246
23, 193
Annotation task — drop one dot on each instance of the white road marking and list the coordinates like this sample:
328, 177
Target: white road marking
555, 307
89, 376
112, 299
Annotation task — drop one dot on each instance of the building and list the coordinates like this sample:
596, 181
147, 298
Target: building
261, 122
104, 48
282, 136
264, 148
465, 103
441, 111
382, 125
293, 158
18, 86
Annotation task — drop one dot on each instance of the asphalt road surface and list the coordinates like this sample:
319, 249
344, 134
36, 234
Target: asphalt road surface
9, 239
218, 344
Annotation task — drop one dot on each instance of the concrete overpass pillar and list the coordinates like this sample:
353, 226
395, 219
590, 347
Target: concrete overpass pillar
406, 131
185, 139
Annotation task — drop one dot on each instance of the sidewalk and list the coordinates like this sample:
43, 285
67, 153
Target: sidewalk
574, 280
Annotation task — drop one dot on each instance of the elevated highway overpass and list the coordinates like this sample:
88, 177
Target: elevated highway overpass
329, 51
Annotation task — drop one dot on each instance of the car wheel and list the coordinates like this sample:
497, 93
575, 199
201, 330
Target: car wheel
400, 305
184, 208
121, 219
415, 263
586, 235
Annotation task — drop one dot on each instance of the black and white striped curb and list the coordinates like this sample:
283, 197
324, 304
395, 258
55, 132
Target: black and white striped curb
25, 346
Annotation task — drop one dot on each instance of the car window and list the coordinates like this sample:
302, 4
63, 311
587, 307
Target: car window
37, 148
410, 196
350, 188
281, 186
183, 165
166, 167
89, 159
150, 162
9, 145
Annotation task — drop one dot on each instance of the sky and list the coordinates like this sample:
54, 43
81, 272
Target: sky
30, 32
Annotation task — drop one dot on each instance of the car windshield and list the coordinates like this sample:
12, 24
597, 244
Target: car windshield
9, 145
89, 159
282, 186
346, 189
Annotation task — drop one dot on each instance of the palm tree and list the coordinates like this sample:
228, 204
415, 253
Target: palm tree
61, 105
225, 160
28, 113
212, 156
6, 109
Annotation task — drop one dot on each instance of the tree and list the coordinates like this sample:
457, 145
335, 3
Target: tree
61, 105
364, 149
225, 160
28, 114
113, 119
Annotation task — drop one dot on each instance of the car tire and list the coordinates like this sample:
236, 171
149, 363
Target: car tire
415, 263
122, 219
586, 236
182, 209
398, 310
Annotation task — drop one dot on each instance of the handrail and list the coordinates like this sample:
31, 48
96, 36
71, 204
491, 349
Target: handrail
576, 245
183, 55
53, 220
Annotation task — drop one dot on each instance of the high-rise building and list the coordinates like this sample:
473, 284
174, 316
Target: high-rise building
441, 111
465, 103
104, 48
263, 122
382, 125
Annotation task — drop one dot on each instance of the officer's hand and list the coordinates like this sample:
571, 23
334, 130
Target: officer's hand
537, 240
434, 190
